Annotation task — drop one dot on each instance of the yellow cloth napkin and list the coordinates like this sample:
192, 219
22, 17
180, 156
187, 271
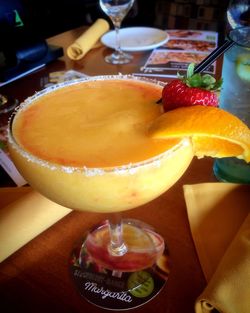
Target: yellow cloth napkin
24, 214
219, 217
88, 40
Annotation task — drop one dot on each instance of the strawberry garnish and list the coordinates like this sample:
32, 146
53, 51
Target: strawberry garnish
195, 89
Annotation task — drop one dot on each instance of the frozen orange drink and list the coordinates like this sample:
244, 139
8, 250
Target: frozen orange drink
85, 144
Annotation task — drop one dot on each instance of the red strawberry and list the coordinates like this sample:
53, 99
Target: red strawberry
195, 89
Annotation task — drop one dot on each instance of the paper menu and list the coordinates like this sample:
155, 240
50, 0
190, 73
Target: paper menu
182, 48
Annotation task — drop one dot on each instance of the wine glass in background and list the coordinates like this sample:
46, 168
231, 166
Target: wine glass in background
238, 13
117, 10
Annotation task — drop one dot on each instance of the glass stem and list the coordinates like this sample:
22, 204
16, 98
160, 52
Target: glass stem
117, 246
117, 25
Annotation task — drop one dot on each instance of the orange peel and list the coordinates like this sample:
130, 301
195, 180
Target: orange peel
212, 131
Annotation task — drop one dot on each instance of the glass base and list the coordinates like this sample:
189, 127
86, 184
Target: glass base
114, 289
118, 58
232, 170
143, 246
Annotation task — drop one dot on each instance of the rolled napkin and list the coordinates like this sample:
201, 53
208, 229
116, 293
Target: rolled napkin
87, 40
24, 214
219, 219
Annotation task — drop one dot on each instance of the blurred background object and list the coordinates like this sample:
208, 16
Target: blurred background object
238, 13
26, 24
192, 14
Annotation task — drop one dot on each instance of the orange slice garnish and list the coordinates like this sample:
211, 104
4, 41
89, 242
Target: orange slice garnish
212, 131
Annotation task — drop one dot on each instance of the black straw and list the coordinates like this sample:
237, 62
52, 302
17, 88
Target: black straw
213, 56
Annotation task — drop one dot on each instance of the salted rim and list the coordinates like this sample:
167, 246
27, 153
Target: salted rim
89, 171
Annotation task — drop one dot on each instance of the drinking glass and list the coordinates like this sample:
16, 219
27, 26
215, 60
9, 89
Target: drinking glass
234, 97
238, 13
117, 10
117, 257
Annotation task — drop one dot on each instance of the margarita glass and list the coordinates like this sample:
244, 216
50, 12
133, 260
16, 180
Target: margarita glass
84, 145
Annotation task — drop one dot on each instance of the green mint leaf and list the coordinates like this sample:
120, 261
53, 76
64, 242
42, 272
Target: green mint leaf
203, 81
190, 70
218, 84
194, 81
208, 81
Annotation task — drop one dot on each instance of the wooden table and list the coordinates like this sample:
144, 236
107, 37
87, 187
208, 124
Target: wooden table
36, 278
